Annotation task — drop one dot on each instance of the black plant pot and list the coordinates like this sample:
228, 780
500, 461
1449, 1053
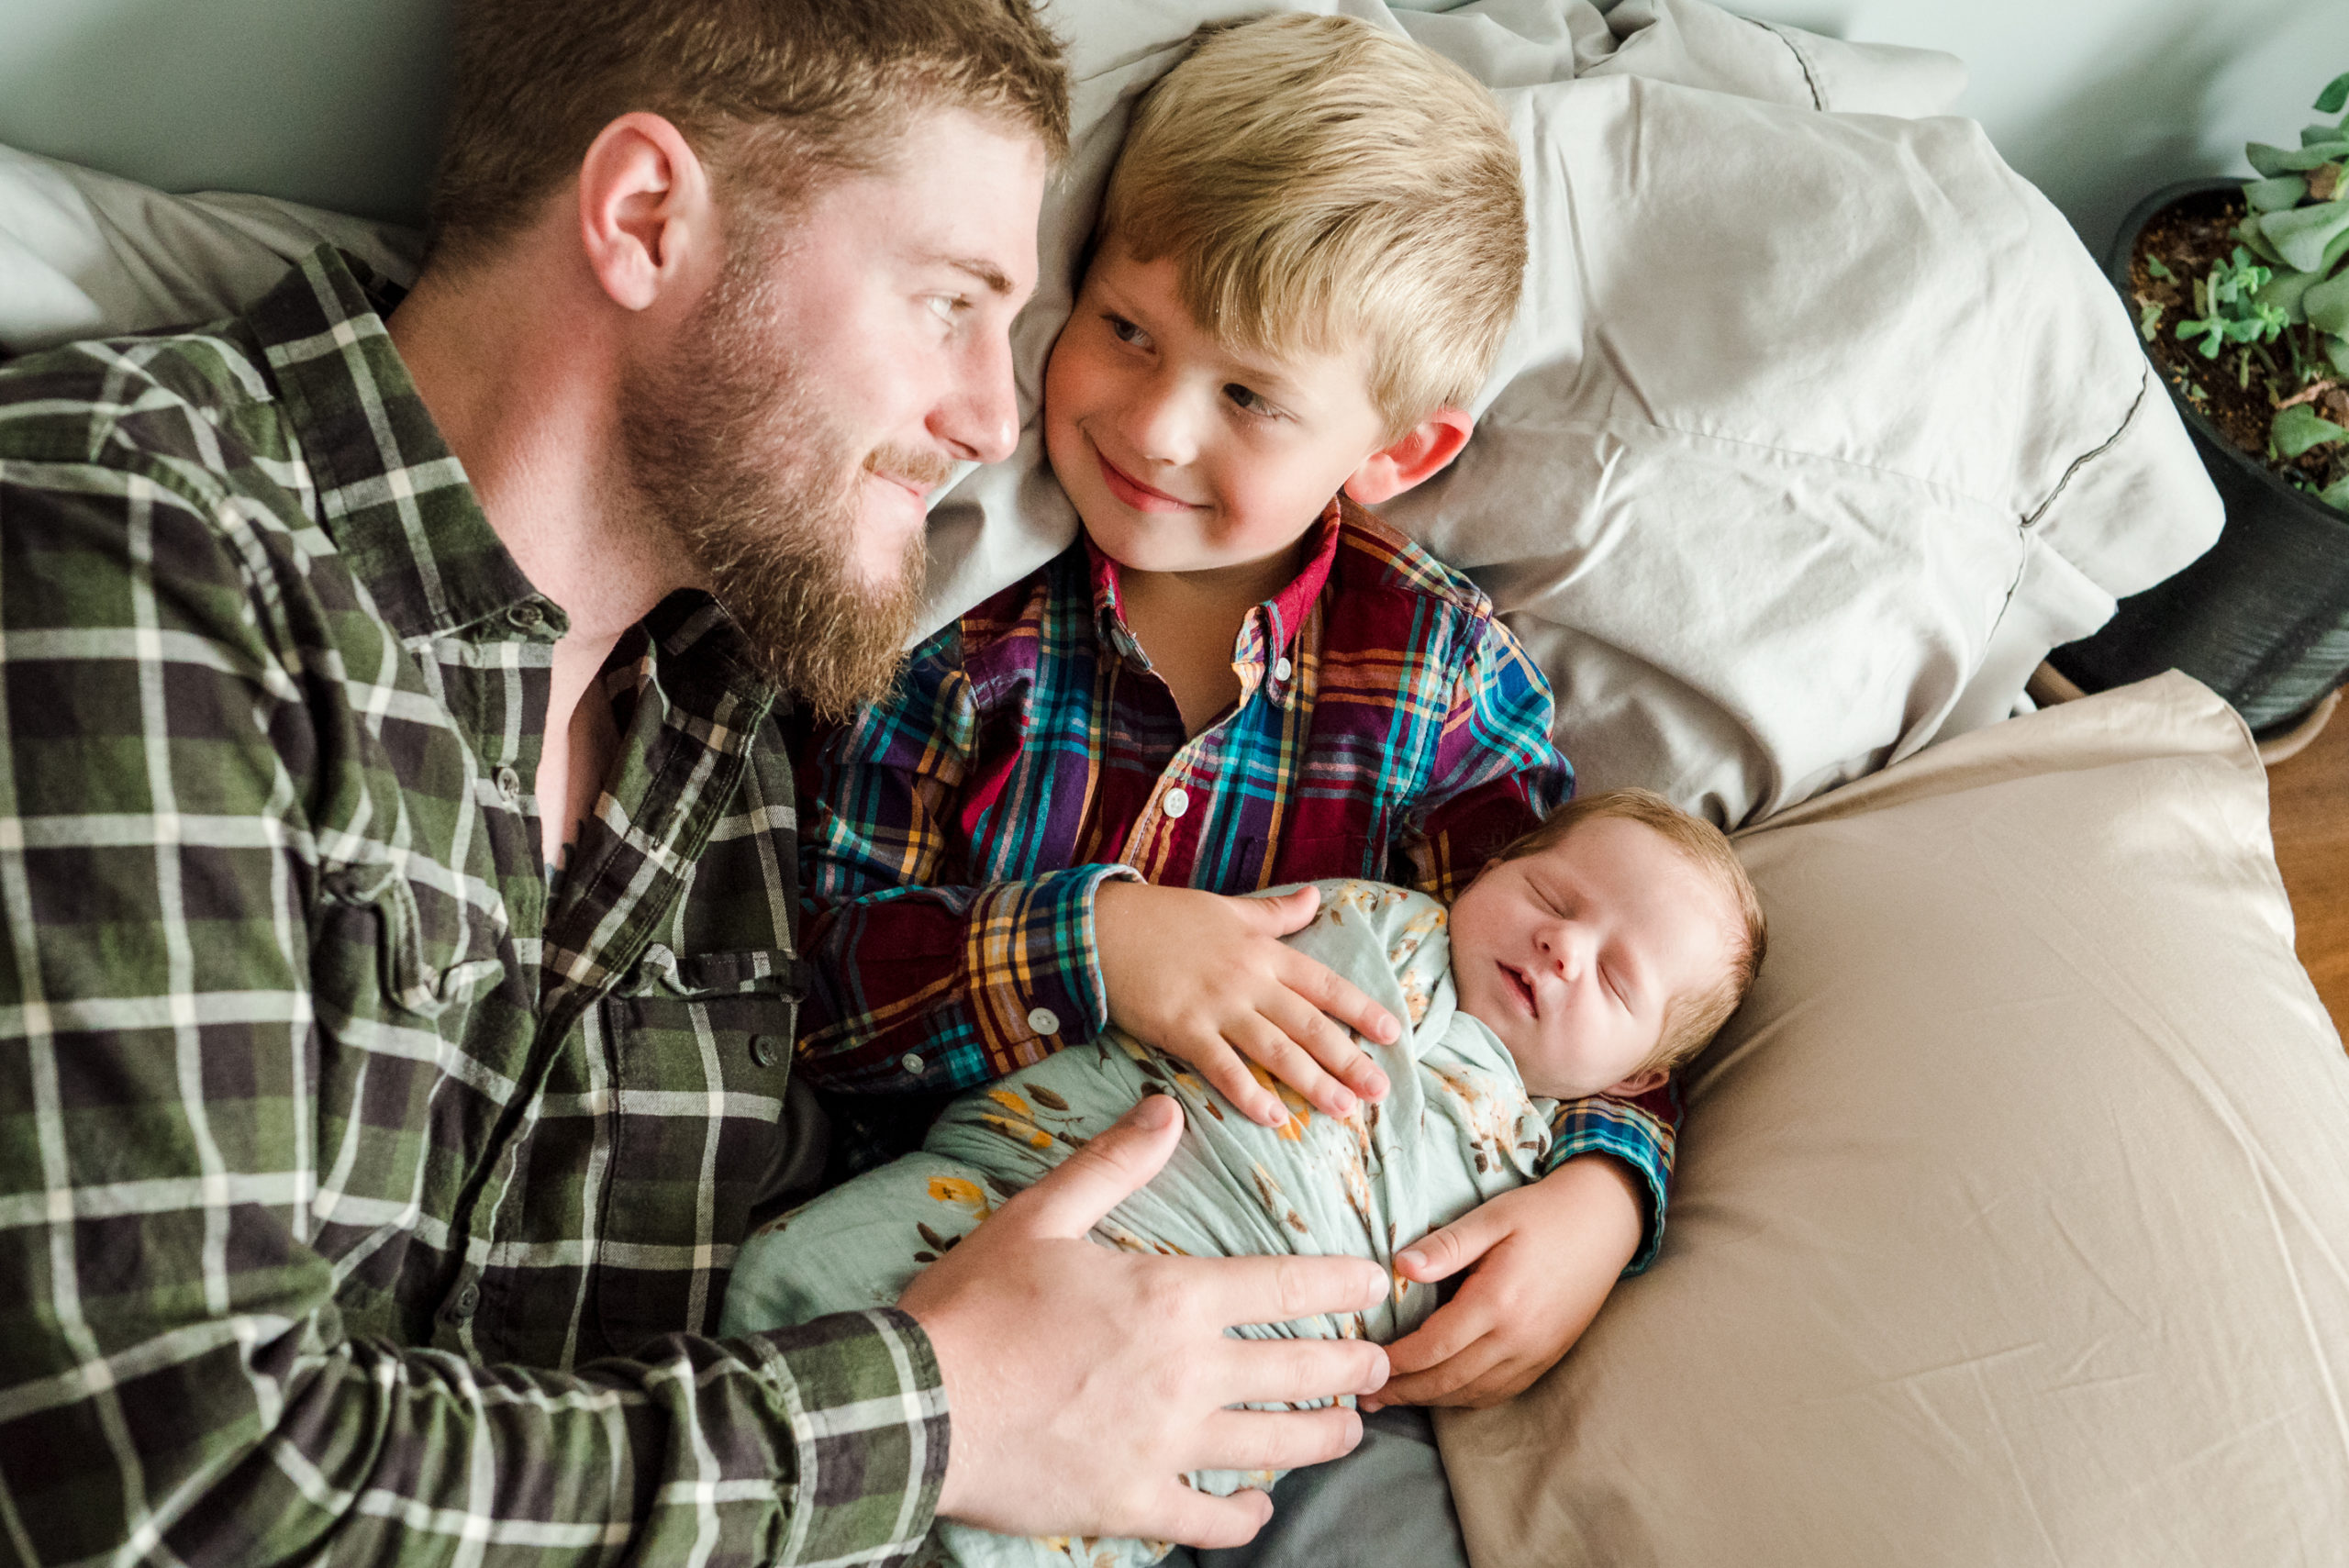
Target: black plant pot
2263, 618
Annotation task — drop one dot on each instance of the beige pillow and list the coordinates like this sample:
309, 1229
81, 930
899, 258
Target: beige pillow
2012, 1220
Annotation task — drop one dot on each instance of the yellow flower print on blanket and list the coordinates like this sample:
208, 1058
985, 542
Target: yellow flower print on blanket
1457, 1128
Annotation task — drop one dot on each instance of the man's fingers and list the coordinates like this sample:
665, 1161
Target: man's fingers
1281, 1056
1439, 1254
1070, 1200
1294, 1372
1328, 1044
1277, 1440
1201, 1519
1336, 996
1283, 1289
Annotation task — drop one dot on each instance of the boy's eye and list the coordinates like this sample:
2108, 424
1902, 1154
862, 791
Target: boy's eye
1247, 401
1126, 331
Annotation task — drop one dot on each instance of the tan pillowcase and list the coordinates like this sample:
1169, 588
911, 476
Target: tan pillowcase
2011, 1224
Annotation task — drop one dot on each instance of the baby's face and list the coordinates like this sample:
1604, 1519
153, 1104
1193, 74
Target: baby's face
1181, 453
1571, 955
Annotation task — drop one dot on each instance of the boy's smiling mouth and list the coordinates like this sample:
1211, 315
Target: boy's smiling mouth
1133, 491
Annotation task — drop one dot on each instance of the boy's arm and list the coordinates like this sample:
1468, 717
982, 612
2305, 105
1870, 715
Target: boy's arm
924, 980
1495, 773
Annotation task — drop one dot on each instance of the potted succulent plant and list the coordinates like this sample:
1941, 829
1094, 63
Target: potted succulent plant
2241, 292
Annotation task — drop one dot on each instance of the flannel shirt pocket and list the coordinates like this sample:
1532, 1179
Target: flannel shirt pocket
701, 1053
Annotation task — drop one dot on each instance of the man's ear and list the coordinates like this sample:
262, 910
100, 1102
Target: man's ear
1638, 1084
1417, 454
646, 218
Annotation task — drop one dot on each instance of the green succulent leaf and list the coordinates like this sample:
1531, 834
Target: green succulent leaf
2321, 131
2327, 305
2248, 232
2337, 351
2299, 428
2154, 267
2301, 234
2275, 161
2285, 291
2335, 94
2273, 195
2336, 494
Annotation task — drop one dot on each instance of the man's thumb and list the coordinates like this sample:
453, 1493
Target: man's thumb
1112, 1165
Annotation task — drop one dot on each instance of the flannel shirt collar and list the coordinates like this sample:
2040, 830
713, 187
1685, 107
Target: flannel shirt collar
391, 495
1271, 627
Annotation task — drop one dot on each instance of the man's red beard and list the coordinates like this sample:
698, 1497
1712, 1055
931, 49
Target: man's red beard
729, 447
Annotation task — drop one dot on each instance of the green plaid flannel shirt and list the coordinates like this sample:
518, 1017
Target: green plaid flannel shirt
355, 1204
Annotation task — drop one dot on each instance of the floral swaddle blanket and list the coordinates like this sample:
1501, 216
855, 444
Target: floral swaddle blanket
1456, 1128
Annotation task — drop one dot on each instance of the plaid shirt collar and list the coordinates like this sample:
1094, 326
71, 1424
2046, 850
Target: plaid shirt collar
1271, 627
370, 441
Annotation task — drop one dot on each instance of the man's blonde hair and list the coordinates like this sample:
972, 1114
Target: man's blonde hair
1691, 1018
1320, 181
776, 96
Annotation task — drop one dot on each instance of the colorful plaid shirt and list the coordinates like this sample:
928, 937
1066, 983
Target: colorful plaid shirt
355, 1204
1387, 727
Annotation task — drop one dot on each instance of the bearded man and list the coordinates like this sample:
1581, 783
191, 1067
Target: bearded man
398, 872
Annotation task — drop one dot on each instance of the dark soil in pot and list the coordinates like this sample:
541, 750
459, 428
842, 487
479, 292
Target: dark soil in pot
2264, 617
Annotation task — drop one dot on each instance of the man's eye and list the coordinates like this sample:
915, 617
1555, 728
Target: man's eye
947, 306
1126, 331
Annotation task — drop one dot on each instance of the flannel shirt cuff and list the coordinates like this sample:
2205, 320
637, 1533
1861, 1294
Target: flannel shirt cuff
1033, 969
1632, 1134
869, 1430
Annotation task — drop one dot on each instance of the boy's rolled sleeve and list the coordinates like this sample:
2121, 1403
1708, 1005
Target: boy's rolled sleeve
924, 983
1637, 1131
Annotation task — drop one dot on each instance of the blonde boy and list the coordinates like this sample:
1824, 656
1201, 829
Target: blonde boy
1310, 252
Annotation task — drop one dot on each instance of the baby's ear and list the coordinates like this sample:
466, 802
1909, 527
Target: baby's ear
1638, 1084
1418, 453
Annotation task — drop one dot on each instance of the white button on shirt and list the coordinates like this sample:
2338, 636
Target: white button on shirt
1043, 1020
911, 1063
1177, 801
1280, 668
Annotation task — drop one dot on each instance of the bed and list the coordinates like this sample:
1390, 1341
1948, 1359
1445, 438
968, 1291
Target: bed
2012, 1219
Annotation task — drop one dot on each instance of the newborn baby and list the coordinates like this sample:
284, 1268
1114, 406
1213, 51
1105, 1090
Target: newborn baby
1592, 957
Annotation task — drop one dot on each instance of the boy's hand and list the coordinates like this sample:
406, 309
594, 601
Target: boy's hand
1205, 978
1541, 1261
1083, 1382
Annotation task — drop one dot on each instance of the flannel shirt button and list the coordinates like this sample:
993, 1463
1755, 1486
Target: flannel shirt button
1177, 801
509, 784
1281, 668
1043, 1020
466, 1300
526, 619
911, 1062
763, 1049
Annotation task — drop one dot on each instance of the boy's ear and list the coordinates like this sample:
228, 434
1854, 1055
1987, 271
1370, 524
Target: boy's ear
1417, 454
1638, 1084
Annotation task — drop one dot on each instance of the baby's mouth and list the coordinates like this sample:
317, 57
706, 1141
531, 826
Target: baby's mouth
1523, 988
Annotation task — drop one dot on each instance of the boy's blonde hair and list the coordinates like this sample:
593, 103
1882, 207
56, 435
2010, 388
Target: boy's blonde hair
1321, 181
1691, 1018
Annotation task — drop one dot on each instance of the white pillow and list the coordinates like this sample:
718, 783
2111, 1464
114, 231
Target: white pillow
1815, 432
2011, 1221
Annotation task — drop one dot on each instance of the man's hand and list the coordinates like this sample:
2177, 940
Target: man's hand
1541, 1260
1205, 978
1084, 1382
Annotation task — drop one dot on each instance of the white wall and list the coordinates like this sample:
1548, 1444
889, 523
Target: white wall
335, 100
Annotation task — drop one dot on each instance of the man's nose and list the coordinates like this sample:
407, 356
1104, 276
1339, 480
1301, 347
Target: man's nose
979, 415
